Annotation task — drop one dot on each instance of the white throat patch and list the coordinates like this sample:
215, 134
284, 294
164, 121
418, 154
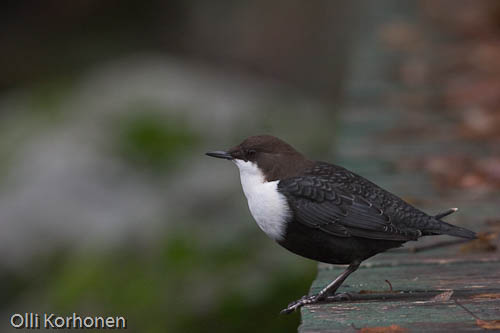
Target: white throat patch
269, 208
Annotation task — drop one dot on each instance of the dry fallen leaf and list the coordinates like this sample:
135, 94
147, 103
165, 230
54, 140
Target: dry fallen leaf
489, 296
479, 123
485, 242
490, 167
443, 297
462, 171
488, 324
384, 329
471, 91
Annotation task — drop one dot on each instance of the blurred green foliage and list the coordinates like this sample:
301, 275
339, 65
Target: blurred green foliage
151, 138
47, 97
179, 285
181, 282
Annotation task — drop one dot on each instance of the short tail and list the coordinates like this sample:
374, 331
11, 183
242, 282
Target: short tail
453, 230
444, 228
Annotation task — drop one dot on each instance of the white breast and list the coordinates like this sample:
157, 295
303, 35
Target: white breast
269, 208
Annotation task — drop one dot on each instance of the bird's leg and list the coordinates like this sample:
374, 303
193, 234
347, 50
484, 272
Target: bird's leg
329, 289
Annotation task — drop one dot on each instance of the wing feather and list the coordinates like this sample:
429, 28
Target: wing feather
319, 202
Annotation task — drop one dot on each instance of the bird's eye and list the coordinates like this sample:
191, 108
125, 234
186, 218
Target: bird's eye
251, 152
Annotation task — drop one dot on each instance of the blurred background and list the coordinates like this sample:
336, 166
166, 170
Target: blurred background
108, 205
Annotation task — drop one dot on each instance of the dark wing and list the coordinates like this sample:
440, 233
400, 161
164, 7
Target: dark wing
318, 202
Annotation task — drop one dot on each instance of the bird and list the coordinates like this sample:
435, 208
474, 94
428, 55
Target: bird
324, 212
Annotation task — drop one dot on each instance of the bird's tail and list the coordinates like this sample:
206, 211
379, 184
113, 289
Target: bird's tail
450, 229
453, 230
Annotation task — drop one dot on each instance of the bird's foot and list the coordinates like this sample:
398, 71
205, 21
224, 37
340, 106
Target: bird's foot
339, 297
305, 300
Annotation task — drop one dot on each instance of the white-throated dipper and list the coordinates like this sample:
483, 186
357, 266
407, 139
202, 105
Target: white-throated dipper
324, 212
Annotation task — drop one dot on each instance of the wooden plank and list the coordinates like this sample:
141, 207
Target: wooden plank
475, 281
416, 316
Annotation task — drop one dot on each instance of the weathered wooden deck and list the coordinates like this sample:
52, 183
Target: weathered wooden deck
376, 137
416, 279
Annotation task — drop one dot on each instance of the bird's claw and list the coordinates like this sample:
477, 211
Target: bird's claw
305, 300
339, 297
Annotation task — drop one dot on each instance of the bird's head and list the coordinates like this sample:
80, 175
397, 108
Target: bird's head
266, 154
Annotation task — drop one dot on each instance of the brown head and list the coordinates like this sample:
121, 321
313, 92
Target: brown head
274, 157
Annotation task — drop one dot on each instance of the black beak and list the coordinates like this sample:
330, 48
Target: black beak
220, 154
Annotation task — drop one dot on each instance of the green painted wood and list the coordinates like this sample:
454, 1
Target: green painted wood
415, 279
